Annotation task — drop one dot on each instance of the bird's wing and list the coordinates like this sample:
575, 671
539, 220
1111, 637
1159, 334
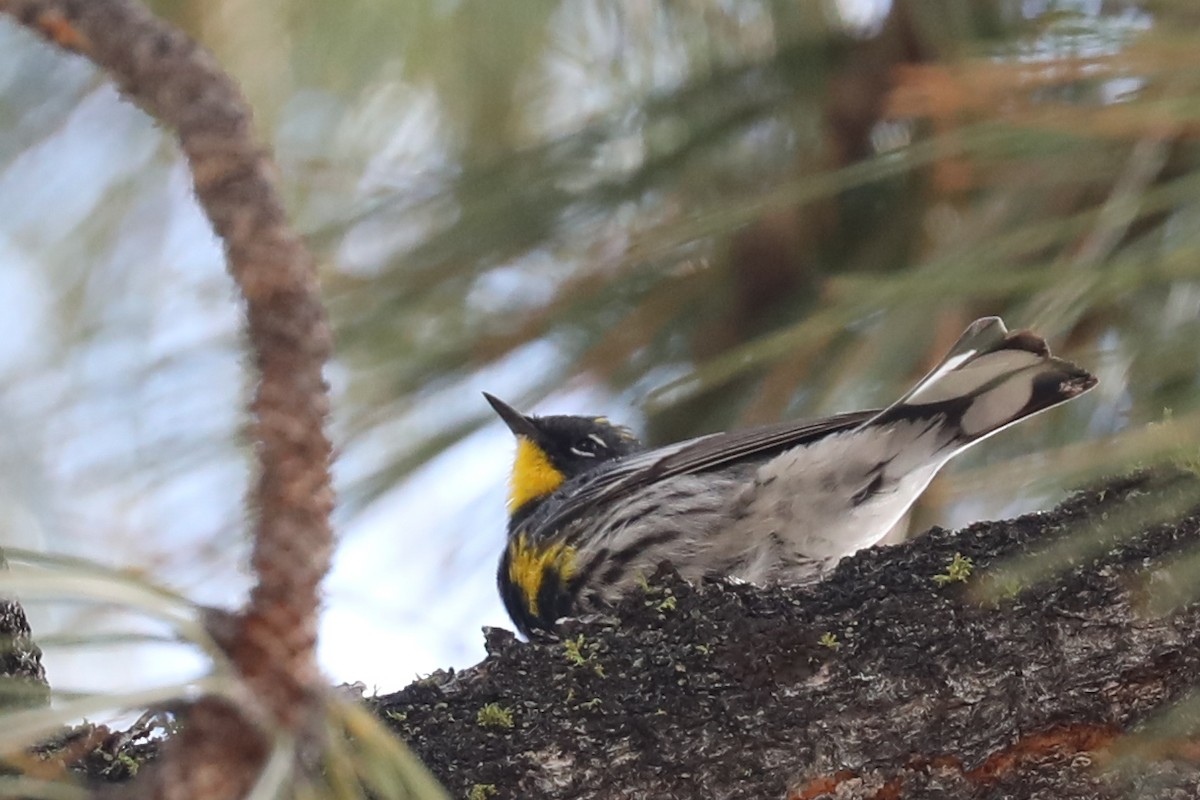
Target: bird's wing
989, 380
701, 454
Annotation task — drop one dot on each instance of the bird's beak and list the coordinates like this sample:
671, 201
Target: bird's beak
517, 422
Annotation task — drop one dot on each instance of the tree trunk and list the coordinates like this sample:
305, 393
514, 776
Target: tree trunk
899, 676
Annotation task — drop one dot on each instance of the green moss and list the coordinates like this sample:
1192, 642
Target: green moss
482, 791
494, 715
120, 763
579, 652
829, 640
573, 651
129, 762
957, 571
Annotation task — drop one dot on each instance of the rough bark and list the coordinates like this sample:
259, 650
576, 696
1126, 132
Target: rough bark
22, 677
877, 683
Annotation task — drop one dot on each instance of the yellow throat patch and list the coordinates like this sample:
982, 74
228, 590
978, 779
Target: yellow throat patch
533, 475
528, 564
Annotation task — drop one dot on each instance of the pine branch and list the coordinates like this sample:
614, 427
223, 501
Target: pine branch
272, 641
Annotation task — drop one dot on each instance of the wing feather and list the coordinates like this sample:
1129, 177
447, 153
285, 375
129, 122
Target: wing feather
634, 472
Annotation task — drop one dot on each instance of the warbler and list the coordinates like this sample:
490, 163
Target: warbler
591, 511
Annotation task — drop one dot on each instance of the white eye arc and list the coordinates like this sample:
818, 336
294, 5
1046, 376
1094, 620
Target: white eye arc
589, 447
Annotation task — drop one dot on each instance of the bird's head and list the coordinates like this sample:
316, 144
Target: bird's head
551, 450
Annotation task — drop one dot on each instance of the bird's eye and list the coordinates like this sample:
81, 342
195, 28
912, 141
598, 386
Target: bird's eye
589, 446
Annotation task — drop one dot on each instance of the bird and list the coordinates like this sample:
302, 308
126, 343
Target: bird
593, 512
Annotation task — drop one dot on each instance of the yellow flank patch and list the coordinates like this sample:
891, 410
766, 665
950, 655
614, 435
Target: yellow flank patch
533, 475
528, 564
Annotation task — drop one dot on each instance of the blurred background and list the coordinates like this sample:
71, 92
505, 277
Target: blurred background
687, 215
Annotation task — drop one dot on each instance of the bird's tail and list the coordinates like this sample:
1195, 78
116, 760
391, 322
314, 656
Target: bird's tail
989, 380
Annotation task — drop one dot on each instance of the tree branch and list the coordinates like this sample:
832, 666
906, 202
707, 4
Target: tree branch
880, 682
272, 642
